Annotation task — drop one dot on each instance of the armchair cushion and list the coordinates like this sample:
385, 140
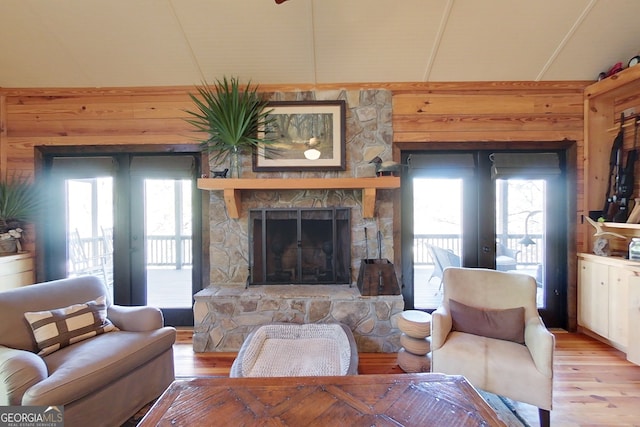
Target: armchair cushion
506, 324
55, 329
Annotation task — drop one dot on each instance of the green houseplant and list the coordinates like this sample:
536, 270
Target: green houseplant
19, 203
232, 119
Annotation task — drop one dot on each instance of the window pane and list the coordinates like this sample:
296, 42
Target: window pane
89, 208
520, 220
168, 242
437, 236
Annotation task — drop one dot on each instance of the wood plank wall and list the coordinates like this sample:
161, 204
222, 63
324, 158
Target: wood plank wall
497, 114
425, 115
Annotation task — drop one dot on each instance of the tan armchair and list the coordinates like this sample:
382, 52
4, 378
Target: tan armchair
100, 381
522, 372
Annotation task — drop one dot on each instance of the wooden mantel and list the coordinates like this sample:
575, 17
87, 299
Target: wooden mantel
232, 188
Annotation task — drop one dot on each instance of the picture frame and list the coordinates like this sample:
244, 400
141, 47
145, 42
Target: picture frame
307, 135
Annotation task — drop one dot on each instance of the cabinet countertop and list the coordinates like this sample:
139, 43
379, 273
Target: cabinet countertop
610, 260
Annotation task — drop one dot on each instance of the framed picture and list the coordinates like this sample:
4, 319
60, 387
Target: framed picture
307, 135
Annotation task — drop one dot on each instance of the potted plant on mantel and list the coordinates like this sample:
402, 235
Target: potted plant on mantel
231, 118
19, 202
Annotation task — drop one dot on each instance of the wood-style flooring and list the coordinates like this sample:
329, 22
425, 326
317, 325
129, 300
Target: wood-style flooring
594, 384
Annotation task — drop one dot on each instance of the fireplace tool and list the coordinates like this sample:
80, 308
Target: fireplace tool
377, 276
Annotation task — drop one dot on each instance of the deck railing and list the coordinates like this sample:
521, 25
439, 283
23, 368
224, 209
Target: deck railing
169, 250
163, 250
174, 251
528, 255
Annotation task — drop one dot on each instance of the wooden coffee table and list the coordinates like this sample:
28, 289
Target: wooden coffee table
382, 400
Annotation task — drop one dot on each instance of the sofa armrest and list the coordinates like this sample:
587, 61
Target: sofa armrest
440, 327
19, 370
135, 319
541, 344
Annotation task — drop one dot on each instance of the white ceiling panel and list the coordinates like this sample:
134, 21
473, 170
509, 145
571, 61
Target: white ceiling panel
502, 39
120, 42
377, 40
29, 54
97, 43
609, 34
257, 40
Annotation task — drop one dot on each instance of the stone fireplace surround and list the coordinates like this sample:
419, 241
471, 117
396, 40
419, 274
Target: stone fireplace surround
227, 311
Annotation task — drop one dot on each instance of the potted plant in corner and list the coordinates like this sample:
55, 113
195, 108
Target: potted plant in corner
232, 119
19, 202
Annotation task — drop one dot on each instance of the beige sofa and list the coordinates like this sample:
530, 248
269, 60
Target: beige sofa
101, 381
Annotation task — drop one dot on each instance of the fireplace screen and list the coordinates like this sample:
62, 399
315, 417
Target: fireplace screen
300, 246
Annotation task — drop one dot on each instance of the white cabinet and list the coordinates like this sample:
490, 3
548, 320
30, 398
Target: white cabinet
604, 301
16, 270
633, 349
618, 304
593, 296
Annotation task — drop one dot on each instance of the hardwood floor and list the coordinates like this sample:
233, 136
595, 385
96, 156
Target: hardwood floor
594, 384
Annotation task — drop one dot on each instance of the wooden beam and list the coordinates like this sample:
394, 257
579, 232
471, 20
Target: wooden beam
368, 202
232, 199
232, 188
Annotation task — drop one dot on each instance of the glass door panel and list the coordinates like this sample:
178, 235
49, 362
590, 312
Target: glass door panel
168, 235
520, 228
89, 225
129, 220
505, 211
437, 240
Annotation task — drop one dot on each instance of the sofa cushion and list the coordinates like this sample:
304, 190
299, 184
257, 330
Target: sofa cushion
81, 369
507, 324
58, 328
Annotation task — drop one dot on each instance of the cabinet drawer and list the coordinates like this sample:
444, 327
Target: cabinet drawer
16, 266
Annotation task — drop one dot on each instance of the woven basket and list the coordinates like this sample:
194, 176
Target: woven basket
8, 246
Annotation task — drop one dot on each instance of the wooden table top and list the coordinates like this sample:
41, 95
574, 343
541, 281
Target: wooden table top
361, 400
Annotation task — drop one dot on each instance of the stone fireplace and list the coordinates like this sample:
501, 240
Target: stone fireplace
241, 298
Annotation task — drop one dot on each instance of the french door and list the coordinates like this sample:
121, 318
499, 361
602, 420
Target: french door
128, 219
500, 210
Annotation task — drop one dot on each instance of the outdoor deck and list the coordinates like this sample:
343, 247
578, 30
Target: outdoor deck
171, 288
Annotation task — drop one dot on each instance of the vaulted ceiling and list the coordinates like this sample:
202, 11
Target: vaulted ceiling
98, 43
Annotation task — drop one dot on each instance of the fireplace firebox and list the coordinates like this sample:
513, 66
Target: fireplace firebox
300, 246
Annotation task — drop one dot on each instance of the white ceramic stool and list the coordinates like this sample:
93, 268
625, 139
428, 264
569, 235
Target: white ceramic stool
415, 323
415, 354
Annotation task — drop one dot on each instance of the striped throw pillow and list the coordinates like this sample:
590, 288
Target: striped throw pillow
55, 329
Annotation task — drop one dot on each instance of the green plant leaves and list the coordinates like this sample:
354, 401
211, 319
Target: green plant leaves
20, 201
232, 118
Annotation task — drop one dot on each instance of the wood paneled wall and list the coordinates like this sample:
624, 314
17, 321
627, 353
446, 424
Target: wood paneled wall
425, 115
498, 114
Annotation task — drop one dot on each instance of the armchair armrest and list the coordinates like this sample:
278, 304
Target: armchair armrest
19, 370
441, 324
541, 344
135, 319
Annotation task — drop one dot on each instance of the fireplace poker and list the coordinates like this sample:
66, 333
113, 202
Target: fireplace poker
380, 281
366, 243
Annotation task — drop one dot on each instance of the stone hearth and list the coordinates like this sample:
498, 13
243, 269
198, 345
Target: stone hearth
225, 315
